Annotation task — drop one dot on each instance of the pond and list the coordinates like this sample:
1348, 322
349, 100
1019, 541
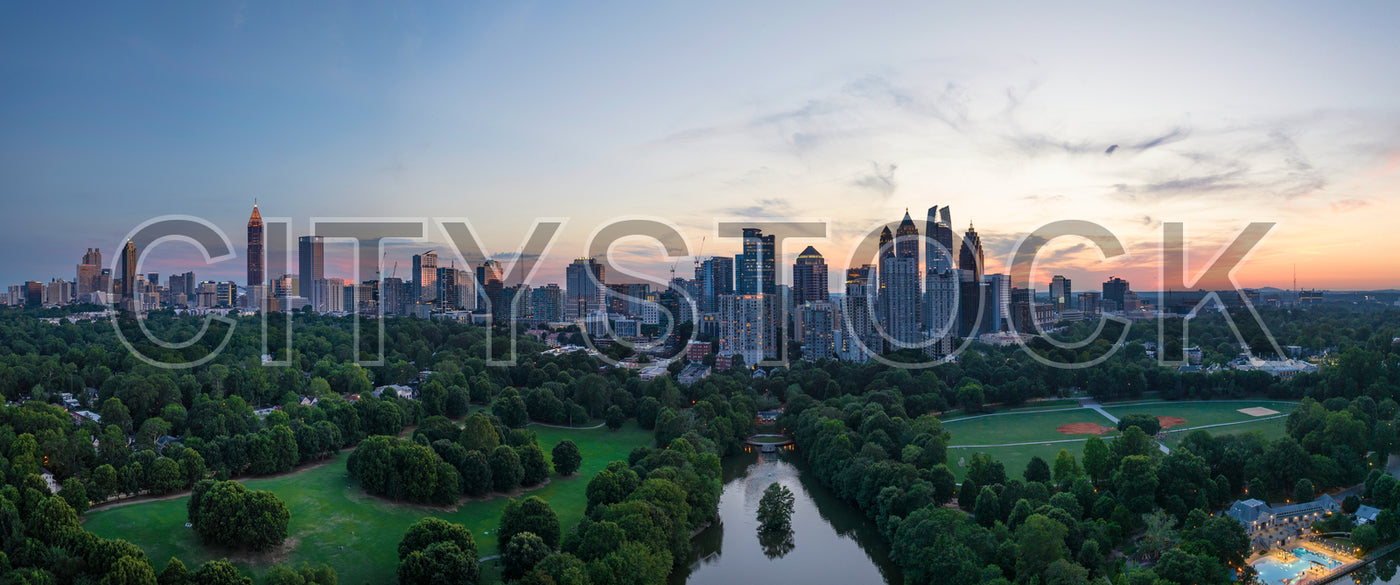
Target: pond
1380, 572
831, 541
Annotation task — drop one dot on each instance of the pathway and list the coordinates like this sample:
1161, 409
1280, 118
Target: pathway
1094, 405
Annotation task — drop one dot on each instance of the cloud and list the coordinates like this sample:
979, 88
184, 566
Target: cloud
880, 179
771, 207
1346, 205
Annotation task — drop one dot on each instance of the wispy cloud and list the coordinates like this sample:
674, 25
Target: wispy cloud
880, 179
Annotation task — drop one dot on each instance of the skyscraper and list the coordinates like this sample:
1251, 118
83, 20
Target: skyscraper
886, 243
809, 280
939, 228
859, 313
756, 265
584, 288
1114, 289
1060, 292
128, 268
311, 266
714, 278
818, 324
970, 257
999, 309
256, 260
425, 276
89, 274
906, 239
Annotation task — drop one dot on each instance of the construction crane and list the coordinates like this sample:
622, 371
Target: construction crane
395, 273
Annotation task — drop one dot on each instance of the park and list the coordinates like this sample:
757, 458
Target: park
1015, 436
334, 522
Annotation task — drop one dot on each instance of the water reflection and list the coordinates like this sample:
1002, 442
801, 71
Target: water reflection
838, 544
1380, 572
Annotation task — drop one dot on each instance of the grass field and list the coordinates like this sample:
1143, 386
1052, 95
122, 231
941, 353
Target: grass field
1013, 458
1203, 413
334, 522
1019, 426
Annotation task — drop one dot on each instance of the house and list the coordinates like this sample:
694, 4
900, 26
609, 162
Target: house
1367, 514
1256, 515
397, 389
165, 441
47, 476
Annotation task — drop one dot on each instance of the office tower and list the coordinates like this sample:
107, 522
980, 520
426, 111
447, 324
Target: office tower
1089, 303
809, 280
584, 288
746, 328
226, 293
756, 265
818, 327
282, 286
489, 285
886, 244
547, 303
1060, 292
899, 288
1114, 289
999, 307
940, 314
714, 278
182, 284
33, 293
939, 232
858, 315
311, 266
425, 271
206, 294
906, 240
256, 259
445, 288
638, 291
128, 268
617, 299
393, 295
970, 257
89, 273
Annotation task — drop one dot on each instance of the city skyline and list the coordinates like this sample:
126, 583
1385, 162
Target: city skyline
1089, 113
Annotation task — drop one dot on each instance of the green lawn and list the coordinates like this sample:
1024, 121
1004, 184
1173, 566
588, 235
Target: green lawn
1203, 413
1272, 429
1013, 458
1019, 427
334, 522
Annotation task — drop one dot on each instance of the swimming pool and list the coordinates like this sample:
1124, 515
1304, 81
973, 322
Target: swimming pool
1275, 572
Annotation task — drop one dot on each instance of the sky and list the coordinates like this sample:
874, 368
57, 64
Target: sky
1014, 115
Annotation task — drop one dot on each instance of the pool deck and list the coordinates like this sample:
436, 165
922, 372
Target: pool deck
1349, 562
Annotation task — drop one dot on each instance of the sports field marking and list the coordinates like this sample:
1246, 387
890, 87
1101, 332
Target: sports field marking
1258, 411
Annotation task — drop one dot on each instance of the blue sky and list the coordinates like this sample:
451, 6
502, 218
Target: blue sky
1286, 112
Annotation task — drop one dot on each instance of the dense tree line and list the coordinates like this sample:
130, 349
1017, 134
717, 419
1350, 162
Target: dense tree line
225, 513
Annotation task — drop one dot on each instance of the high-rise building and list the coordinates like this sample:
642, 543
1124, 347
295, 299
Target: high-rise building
757, 265
970, 257
1061, 294
445, 285
393, 295
899, 284
311, 266
714, 278
335, 295
585, 288
859, 315
226, 293
940, 316
818, 328
906, 239
425, 271
490, 283
1114, 289
128, 268
256, 257
33, 293
547, 303
1089, 303
746, 328
886, 243
89, 274
809, 280
999, 309
939, 232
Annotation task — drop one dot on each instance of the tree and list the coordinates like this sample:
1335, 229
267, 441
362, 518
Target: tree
524, 551
1149, 424
1066, 468
775, 509
506, 470
529, 515
175, 573
1040, 541
988, 507
228, 514
442, 563
567, 458
75, 494
129, 570
429, 531
476, 474
615, 417
1098, 462
1366, 537
510, 409
1037, 470
478, 434
1303, 490
220, 572
532, 461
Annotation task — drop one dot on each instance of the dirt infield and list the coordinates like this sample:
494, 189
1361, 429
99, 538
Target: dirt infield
1168, 422
1083, 429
